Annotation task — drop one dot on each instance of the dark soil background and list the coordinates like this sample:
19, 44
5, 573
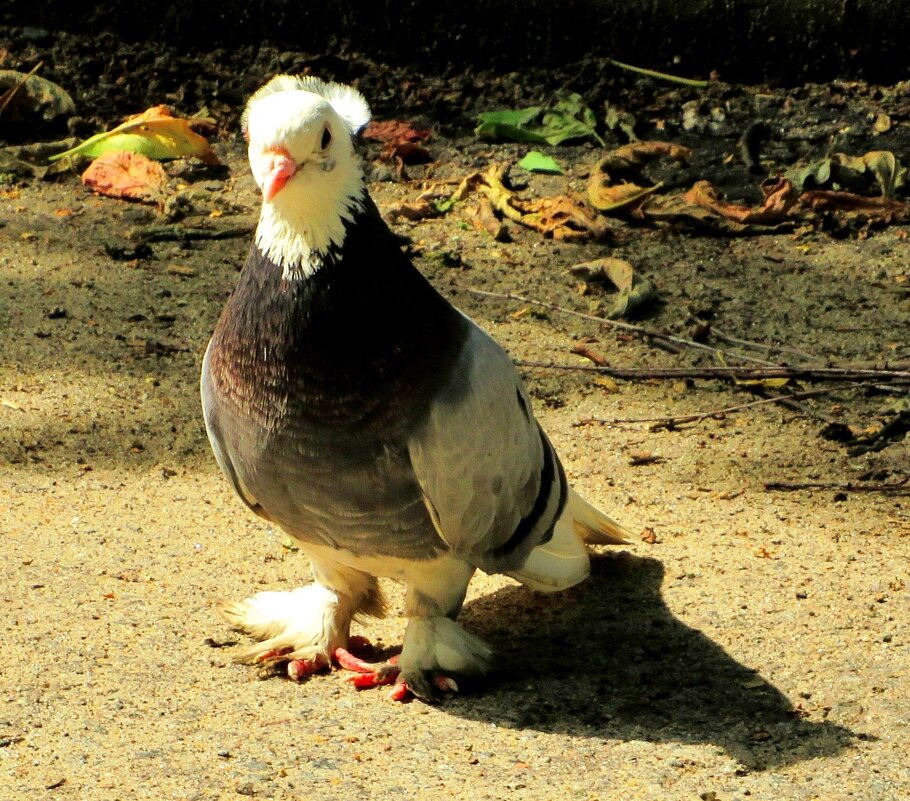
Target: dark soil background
752, 642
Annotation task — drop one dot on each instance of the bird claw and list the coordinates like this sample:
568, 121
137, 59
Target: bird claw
300, 669
369, 675
272, 655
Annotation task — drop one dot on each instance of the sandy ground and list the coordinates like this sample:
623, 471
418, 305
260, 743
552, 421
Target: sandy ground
758, 649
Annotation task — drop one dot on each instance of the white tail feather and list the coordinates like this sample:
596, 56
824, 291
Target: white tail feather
563, 561
591, 524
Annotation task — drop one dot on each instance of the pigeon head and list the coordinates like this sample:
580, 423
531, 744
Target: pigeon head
300, 132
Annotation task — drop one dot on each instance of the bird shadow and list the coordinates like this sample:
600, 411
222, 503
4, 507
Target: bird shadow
609, 660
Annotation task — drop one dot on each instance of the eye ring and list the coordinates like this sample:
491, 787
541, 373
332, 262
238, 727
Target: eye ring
326, 138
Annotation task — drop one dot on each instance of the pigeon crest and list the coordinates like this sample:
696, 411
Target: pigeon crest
300, 132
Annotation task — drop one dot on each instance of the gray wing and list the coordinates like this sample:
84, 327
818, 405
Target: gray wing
491, 481
213, 429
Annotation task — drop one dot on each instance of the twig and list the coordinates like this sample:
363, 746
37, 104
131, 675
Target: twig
645, 333
898, 487
747, 343
663, 76
801, 408
682, 419
10, 93
851, 374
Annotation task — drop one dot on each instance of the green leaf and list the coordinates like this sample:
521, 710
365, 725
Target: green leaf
510, 124
516, 118
569, 118
535, 161
882, 166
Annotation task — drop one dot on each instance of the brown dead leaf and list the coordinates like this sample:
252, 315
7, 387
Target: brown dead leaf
618, 272
589, 353
485, 219
558, 217
780, 198
636, 154
635, 292
675, 209
399, 140
883, 208
392, 131
609, 197
637, 458
420, 209
125, 175
615, 183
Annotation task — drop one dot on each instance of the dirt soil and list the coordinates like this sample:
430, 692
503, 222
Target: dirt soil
751, 643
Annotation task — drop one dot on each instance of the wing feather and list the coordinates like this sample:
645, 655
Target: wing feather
492, 483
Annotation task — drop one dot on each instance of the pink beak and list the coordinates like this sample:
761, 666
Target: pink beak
278, 168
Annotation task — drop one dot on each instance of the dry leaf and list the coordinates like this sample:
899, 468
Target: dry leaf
634, 292
389, 132
485, 219
130, 176
881, 209
154, 133
589, 353
609, 197
636, 154
780, 198
615, 181
558, 217
400, 140
607, 384
637, 458
420, 209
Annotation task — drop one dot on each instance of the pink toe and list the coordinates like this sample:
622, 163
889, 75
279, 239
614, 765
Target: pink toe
400, 692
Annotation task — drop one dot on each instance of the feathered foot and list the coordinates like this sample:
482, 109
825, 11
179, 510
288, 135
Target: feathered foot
302, 628
433, 648
382, 674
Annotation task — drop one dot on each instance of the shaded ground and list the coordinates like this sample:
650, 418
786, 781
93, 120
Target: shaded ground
757, 649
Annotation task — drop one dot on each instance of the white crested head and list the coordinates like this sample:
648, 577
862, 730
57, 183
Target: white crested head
300, 132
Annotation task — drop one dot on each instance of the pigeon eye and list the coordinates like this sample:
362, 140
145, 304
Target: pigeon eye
326, 138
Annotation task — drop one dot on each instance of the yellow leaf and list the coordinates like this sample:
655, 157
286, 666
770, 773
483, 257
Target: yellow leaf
154, 133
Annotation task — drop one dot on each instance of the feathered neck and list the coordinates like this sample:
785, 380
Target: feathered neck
307, 219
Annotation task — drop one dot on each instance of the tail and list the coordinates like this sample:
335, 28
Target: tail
563, 561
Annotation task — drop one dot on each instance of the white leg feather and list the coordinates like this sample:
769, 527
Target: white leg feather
311, 621
438, 643
307, 623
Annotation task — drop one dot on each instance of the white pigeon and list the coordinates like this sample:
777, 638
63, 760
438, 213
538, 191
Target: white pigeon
348, 402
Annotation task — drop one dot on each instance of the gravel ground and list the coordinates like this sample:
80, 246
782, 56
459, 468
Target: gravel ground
751, 644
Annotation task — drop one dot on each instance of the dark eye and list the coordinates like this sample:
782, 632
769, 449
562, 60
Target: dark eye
326, 138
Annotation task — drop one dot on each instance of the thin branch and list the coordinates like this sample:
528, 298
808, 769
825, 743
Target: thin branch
853, 374
645, 333
9, 94
682, 419
747, 343
663, 76
897, 487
